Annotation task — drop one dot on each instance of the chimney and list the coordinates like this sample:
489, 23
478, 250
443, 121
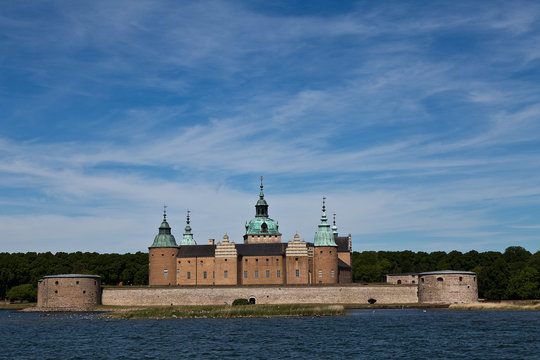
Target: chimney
211, 241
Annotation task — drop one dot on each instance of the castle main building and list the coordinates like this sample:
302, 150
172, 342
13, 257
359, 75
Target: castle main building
263, 259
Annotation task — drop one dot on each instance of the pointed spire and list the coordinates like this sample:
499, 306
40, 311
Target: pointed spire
261, 194
164, 238
187, 239
334, 226
324, 235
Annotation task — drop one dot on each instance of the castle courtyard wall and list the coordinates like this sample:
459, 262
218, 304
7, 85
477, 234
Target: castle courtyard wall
218, 295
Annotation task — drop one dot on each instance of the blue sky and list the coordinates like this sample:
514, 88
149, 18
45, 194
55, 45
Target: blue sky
419, 121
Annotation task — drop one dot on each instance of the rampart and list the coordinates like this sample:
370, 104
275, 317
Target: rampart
353, 294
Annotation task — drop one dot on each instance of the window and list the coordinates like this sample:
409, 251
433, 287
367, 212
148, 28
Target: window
213, 274
56, 291
225, 274
162, 254
278, 274
474, 278
165, 272
201, 261
189, 275
296, 259
56, 282
330, 251
177, 271
399, 282
422, 279
77, 282
461, 278
440, 279
245, 274
413, 281
320, 273
246, 260
225, 259
266, 260
256, 274
204, 275
257, 260
267, 274
332, 273
84, 291
297, 272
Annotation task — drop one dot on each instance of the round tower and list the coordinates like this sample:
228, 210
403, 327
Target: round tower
447, 287
325, 254
162, 256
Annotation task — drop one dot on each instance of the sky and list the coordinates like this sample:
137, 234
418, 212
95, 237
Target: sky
419, 122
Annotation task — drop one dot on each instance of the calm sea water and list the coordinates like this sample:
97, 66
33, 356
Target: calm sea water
364, 334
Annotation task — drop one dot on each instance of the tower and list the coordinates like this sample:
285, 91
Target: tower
262, 229
325, 254
187, 239
162, 256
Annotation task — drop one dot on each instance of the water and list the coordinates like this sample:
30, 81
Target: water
364, 334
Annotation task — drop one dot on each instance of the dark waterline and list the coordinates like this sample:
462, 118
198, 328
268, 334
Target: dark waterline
364, 334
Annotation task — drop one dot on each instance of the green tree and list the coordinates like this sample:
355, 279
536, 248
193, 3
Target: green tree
25, 292
524, 285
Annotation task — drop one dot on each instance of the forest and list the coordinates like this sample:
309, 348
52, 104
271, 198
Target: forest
513, 274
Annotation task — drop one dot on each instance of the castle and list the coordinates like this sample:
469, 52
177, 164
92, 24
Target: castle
191, 274
263, 259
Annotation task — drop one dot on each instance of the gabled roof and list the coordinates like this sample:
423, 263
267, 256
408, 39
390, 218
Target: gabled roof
261, 249
197, 250
342, 243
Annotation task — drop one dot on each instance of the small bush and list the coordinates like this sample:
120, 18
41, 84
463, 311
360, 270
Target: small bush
240, 302
25, 292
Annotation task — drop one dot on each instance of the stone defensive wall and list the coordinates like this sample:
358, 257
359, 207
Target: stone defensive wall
218, 295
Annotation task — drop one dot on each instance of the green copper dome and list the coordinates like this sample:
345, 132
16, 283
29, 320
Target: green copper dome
324, 235
262, 224
164, 238
187, 239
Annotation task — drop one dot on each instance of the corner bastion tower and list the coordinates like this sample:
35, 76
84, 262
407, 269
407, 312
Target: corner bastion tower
162, 255
263, 259
325, 254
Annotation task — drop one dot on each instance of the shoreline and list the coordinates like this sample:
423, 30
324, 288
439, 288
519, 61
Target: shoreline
265, 310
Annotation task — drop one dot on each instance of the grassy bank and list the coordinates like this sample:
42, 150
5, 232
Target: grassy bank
532, 305
225, 311
17, 306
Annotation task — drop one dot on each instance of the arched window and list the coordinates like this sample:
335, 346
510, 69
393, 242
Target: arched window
399, 282
440, 279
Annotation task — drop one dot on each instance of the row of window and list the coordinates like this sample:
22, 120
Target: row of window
331, 273
226, 273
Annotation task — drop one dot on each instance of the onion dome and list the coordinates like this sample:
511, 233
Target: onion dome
262, 224
187, 239
164, 238
324, 235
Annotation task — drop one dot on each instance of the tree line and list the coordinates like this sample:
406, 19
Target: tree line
513, 274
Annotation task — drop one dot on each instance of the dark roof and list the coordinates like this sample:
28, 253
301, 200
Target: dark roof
261, 249
402, 274
71, 276
197, 250
342, 243
343, 265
